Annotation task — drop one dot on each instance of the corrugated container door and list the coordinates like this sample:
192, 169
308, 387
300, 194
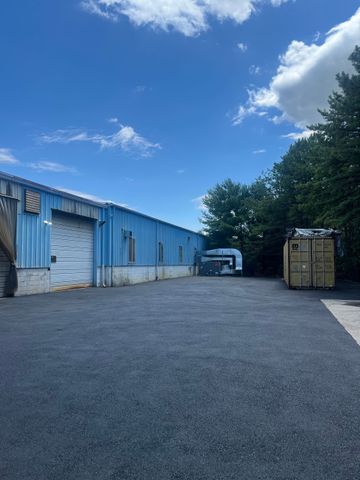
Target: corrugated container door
286, 263
4, 271
72, 252
300, 263
323, 263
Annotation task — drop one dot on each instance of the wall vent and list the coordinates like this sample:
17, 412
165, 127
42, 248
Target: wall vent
32, 202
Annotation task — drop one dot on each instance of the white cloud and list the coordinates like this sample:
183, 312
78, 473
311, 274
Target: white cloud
316, 37
113, 120
52, 167
126, 138
298, 135
88, 196
242, 47
199, 202
95, 7
259, 152
7, 157
277, 3
180, 171
305, 77
189, 17
246, 111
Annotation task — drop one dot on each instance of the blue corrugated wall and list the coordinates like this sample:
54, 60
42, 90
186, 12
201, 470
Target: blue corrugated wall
111, 239
33, 234
147, 234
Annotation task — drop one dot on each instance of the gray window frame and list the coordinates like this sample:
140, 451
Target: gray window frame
132, 250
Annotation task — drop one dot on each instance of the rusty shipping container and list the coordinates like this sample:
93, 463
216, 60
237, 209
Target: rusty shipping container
309, 262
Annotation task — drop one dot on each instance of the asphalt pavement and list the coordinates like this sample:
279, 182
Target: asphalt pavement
188, 379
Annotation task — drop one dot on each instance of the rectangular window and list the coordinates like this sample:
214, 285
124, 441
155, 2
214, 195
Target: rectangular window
132, 245
181, 254
161, 252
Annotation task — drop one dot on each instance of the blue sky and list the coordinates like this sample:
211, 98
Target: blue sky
149, 103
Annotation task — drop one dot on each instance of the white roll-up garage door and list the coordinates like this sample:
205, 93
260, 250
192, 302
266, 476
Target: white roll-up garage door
4, 271
72, 252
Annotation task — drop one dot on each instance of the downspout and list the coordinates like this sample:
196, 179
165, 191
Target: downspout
111, 244
156, 251
108, 242
102, 258
101, 225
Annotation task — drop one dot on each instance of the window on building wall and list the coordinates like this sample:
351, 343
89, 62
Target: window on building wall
161, 252
132, 247
181, 254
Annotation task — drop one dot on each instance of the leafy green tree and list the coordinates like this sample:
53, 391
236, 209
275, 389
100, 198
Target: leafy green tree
226, 215
337, 177
291, 181
261, 252
316, 184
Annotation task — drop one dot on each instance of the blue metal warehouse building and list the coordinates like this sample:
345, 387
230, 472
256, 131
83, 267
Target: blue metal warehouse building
52, 240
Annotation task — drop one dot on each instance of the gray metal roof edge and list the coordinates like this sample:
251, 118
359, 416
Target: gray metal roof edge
55, 191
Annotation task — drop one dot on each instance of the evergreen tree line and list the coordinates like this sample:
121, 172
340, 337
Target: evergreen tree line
315, 185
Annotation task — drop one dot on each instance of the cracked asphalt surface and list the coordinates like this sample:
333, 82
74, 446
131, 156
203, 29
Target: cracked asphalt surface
194, 378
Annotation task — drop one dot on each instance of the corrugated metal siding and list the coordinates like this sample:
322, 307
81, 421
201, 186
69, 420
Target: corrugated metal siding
148, 233
33, 235
309, 262
78, 208
72, 243
11, 189
144, 232
172, 238
4, 270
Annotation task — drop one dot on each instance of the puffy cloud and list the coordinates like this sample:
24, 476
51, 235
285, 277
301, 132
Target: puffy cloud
305, 77
126, 138
52, 167
189, 17
199, 203
237, 10
7, 157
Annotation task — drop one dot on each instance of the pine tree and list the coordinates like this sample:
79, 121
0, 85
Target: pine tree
337, 178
